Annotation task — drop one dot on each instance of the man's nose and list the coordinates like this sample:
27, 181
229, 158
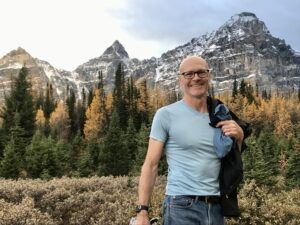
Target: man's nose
196, 77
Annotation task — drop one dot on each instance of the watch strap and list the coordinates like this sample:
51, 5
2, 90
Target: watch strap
141, 207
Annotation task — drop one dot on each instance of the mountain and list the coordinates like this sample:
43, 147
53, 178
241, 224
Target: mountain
40, 73
242, 47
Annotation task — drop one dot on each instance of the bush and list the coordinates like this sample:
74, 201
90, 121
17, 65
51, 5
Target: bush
111, 200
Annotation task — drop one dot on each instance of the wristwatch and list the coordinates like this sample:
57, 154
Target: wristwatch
140, 208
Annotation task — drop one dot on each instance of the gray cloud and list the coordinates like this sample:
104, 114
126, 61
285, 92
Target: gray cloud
178, 21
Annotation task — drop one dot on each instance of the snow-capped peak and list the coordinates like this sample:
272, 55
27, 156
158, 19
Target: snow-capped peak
117, 50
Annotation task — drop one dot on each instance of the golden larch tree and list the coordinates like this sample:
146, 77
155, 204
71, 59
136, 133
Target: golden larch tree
40, 119
283, 123
143, 98
157, 98
95, 118
60, 121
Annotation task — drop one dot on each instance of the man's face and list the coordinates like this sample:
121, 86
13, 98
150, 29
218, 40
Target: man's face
194, 86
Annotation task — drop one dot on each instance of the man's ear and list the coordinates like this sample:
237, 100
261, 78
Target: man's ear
180, 79
210, 75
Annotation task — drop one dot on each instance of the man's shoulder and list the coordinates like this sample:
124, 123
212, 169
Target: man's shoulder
175, 105
170, 109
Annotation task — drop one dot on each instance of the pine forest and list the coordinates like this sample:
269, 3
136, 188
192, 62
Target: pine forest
77, 160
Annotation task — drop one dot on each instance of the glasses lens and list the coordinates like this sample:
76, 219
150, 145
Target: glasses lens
191, 74
202, 73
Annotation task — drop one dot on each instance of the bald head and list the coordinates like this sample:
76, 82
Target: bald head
191, 63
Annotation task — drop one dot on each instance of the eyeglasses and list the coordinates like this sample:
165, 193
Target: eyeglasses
191, 74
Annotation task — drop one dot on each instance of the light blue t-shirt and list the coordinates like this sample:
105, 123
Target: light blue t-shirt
193, 166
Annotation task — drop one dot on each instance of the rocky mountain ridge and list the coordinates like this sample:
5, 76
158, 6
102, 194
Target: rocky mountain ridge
241, 48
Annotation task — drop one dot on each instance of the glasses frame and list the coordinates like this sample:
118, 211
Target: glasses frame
203, 74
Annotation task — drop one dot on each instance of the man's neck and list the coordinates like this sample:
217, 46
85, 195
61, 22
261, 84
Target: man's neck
200, 104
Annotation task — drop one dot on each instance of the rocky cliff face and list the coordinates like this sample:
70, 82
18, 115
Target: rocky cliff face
242, 48
39, 74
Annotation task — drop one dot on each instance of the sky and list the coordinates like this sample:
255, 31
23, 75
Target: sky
67, 33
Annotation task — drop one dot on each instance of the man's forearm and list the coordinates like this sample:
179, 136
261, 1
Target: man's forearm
146, 183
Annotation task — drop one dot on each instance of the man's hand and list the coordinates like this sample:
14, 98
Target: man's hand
232, 129
142, 218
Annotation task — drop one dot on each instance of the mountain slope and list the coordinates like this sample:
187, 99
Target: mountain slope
242, 47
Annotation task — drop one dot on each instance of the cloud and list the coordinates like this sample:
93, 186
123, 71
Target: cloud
179, 21
167, 20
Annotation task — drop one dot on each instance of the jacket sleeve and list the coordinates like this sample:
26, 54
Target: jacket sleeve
212, 104
245, 127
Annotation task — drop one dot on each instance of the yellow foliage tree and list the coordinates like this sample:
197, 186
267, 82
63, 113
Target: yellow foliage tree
60, 121
283, 123
40, 119
157, 98
95, 118
143, 98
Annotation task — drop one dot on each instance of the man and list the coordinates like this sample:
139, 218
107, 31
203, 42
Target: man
182, 128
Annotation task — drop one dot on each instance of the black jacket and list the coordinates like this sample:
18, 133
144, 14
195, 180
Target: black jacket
231, 172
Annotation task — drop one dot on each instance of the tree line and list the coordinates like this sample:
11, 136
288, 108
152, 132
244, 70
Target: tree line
98, 134
106, 133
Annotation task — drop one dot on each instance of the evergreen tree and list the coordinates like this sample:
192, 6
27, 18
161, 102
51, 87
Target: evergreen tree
49, 105
76, 149
234, 88
264, 94
132, 96
249, 93
299, 93
100, 77
19, 102
13, 163
62, 154
261, 173
255, 166
115, 157
10, 167
103, 101
266, 142
142, 146
270, 94
84, 167
131, 140
90, 97
48, 108
81, 110
93, 150
293, 170
2, 142
256, 90
248, 158
49, 161
143, 102
71, 100
119, 99
40, 157
243, 88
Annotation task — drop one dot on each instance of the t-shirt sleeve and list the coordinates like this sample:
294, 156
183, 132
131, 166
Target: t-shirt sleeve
160, 125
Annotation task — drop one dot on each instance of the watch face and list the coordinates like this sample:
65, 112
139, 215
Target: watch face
138, 208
